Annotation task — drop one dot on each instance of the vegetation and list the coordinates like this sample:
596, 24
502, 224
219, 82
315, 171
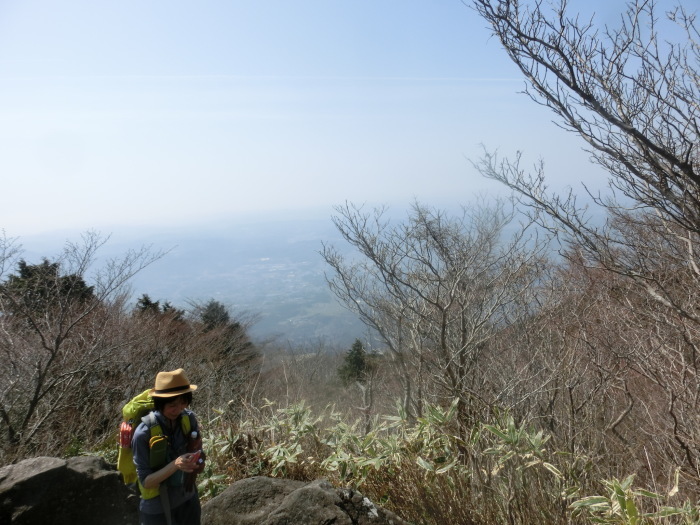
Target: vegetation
631, 94
512, 383
426, 471
73, 349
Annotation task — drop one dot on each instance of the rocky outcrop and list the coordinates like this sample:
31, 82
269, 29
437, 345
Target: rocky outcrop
89, 491
270, 501
80, 490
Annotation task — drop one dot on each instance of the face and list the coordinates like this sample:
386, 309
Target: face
174, 408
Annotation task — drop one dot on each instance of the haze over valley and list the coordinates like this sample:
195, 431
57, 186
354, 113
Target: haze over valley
269, 270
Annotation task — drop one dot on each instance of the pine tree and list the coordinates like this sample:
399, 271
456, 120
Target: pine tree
357, 365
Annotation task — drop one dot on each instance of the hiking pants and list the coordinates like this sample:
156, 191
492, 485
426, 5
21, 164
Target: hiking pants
189, 513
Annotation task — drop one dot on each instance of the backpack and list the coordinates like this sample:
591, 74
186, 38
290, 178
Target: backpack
132, 413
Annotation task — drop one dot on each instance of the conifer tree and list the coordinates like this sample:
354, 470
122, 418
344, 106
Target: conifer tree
356, 366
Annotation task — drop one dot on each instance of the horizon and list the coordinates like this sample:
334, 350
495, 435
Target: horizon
167, 115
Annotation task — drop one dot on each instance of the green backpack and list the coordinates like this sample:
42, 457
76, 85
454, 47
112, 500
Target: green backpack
132, 413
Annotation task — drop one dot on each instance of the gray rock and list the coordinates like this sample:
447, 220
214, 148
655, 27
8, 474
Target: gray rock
89, 491
271, 501
80, 490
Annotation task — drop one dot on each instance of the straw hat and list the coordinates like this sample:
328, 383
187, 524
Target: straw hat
171, 384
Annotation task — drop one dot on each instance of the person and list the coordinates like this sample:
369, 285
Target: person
165, 458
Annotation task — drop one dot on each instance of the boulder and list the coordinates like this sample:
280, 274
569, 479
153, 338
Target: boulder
87, 490
79, 490
271, 501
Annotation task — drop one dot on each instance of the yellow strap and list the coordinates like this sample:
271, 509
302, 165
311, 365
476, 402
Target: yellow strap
157, 431
149, 493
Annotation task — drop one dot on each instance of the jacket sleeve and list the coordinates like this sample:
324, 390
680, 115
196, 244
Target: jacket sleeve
141, 452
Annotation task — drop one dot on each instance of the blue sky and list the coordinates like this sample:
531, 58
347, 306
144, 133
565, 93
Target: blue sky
154, 114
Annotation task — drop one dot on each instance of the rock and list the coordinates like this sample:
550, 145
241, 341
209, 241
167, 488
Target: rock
271, 501
80, 490
89, 491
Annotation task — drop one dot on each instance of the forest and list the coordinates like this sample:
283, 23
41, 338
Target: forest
534, 359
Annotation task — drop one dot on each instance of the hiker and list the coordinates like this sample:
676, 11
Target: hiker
168, 492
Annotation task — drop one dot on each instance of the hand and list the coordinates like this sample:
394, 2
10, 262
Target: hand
186, 462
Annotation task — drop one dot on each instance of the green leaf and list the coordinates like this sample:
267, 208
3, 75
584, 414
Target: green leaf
496, 431
444, 469
600, 502
665, 512
648, 494
554, 470
425, 464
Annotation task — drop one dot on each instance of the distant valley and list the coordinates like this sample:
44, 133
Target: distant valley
269, 270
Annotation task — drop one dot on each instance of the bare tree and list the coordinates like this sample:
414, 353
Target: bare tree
632, 96
362, 287
437, 289
57, 334
633, 99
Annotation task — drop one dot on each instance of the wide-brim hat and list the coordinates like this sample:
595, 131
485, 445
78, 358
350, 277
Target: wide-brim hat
171, 384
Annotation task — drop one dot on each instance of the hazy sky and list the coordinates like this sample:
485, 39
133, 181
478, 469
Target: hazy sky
153, 113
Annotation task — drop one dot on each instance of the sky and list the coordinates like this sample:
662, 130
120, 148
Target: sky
153, 114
